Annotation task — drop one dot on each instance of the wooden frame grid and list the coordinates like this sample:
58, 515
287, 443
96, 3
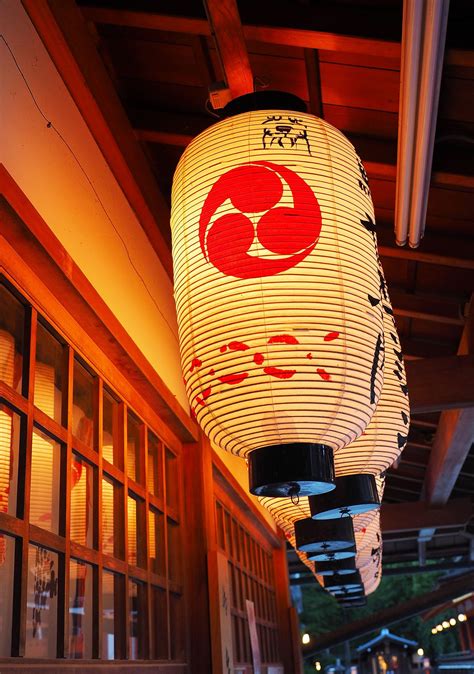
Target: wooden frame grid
71, 446
251, 572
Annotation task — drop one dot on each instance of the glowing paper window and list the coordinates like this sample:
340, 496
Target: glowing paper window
281, 347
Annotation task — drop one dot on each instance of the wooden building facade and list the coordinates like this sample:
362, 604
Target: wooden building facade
127, 542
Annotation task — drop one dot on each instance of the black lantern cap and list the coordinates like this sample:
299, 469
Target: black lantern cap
332, 555
354, 494
264, 100
313, 536
346, 591
345, 581
294, 469
340, 566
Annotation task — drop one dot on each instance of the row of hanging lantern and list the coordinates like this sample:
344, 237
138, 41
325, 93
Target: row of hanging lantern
290, 354
344, 554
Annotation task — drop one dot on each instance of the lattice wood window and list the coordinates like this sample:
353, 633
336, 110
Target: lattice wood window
89, 507
251, 571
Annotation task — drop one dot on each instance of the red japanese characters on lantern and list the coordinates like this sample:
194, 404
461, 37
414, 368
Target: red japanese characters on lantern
282, 350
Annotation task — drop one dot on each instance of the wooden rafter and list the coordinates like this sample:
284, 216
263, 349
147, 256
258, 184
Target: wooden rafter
399, 517
227, 30
379, 156
440, 383
293, 37
63, 30
387, 616
313, 78
454, 436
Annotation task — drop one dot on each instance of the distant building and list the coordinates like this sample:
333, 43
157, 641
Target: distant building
386, 653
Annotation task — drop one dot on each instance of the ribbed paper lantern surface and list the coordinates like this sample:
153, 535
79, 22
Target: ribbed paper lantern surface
386, 434
273, 269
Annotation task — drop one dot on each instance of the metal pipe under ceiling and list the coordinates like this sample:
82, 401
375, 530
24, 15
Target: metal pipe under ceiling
423, 42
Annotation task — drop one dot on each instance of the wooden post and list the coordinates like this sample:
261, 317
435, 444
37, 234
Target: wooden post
198, 521
290, 650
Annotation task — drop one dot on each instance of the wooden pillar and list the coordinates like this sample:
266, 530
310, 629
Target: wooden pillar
198, 513
290, 648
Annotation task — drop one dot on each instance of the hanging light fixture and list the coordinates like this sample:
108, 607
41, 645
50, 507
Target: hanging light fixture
324, 537
357, 464
349, 582
353, 494
281, 346
342, 567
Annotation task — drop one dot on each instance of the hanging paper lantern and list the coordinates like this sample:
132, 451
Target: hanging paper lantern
351, 582
369, 553
286, 512
384, 438
322, 537
386, 435
281, 346
342, 567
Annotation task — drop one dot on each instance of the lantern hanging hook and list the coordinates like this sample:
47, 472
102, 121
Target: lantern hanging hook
294, 494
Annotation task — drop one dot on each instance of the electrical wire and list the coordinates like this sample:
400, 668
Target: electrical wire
50, 125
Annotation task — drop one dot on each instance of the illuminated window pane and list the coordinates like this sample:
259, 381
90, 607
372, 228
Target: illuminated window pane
82, 501
49, 373
42, 603
83, 405
171, 468
174, 551
137, 620
10, 424
45, 476
12, 326
154, 467
80, 610
112, 612
7, 570
133, 448
159, 624
136, 532
112, 532
156, 535
110, 441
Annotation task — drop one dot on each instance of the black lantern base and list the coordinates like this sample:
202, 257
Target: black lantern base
348, 591
348, 582
334, 556
324, 537
342, 567
295, 469
353, 495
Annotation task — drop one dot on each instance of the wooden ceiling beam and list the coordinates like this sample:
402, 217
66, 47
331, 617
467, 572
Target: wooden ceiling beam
427, 308
62, 28
227, 30
399, 517
454, 436
291, 37
447, 592
313, 79
440, 383
436, 249
379, 156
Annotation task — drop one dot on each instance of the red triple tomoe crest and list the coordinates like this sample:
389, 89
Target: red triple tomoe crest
256, 188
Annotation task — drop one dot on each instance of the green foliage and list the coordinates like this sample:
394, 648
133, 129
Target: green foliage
322, 614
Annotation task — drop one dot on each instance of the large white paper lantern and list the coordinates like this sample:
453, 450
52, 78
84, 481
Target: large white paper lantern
386, 435
281, 347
